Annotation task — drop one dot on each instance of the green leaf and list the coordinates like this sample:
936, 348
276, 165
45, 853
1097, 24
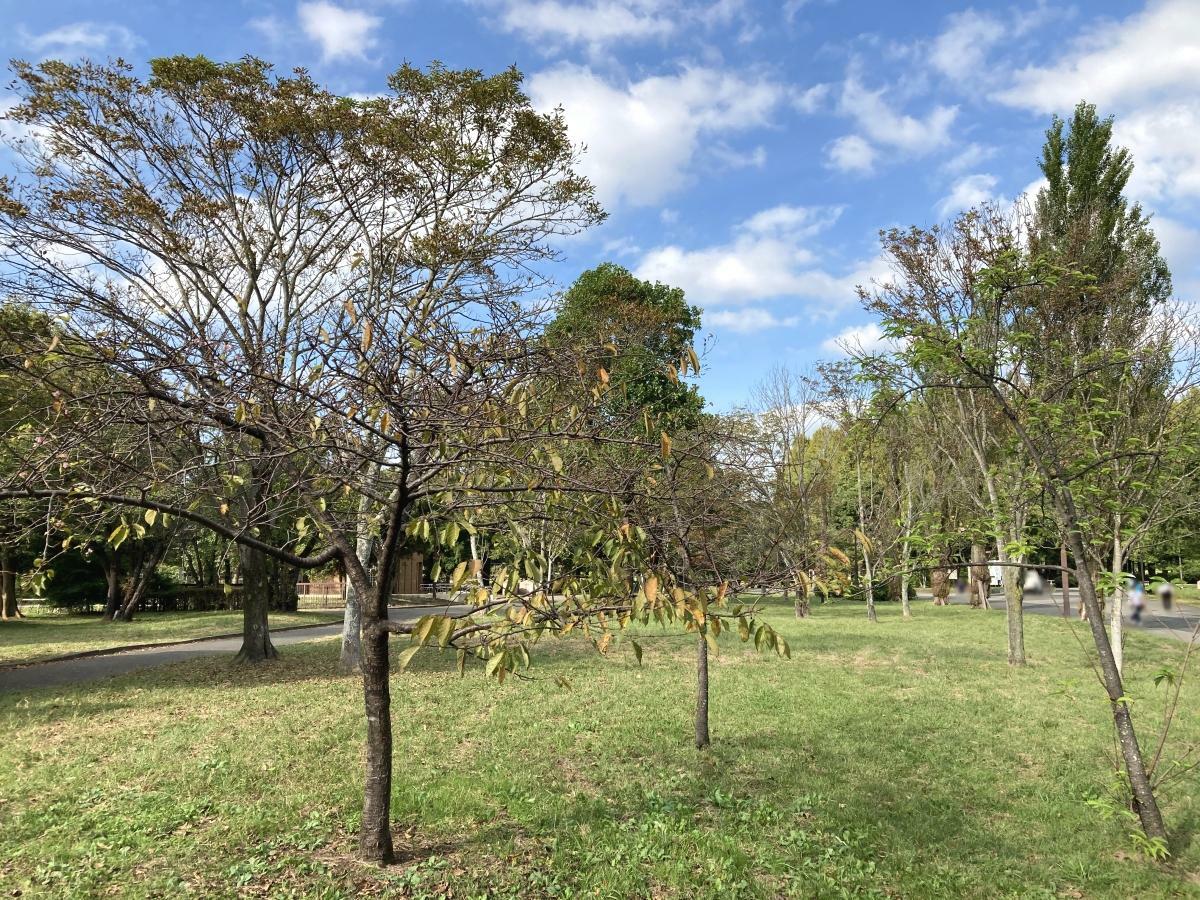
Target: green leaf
445, 630
1162, 675
493, 664
637, 651
405, 656
711, 640
421, 630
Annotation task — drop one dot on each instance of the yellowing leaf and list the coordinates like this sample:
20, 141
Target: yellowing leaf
405, 656
651, 589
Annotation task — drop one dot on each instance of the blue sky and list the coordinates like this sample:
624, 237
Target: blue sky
747, 151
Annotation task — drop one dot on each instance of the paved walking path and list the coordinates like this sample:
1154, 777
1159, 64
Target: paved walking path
1177, 623
73, 671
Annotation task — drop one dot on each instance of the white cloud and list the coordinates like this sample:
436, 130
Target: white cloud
1164, 139
960, 50
270, 27
80, 39
767, 258
810, 100
792, 221
968, 157
342, 33
597, 22
1181, 249
643, 137
732, 158
971, 190
1118, 62
746, 321
851, 153
1144, 69
884, 125
867, 338
622, 246
1180, 242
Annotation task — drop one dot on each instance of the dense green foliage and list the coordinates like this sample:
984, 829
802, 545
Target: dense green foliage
639, 331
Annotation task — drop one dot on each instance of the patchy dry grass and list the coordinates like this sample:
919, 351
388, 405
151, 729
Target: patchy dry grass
902, 759
41, 637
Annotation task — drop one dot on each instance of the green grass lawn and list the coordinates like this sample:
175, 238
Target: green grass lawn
896, 760
42, 636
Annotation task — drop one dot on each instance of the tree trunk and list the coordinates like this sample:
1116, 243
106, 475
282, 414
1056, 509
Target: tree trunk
1066, 580
1116, 622
8, 587
350, 658
256, 591
112, 579
702, 740
981, 578
1014, 610
905, 606
866, 553
282, 581
136, 591
939, 584
375, 835
1135, 767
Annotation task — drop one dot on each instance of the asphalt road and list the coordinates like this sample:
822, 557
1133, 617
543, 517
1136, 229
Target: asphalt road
91, 668
1179, 622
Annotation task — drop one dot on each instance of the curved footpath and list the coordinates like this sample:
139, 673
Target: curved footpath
91, 668
1178, 623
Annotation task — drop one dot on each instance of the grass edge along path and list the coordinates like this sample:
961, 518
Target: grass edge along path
42, 639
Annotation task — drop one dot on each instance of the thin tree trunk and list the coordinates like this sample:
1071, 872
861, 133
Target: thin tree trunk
1066, 581
350, 658
282, 579
1135, 767
905, 606
939, 583
1116, 622
8, 587
138, 586
702, 740
980, 577
1014, 610
112, 579
375, 835
256, 589
866, 554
